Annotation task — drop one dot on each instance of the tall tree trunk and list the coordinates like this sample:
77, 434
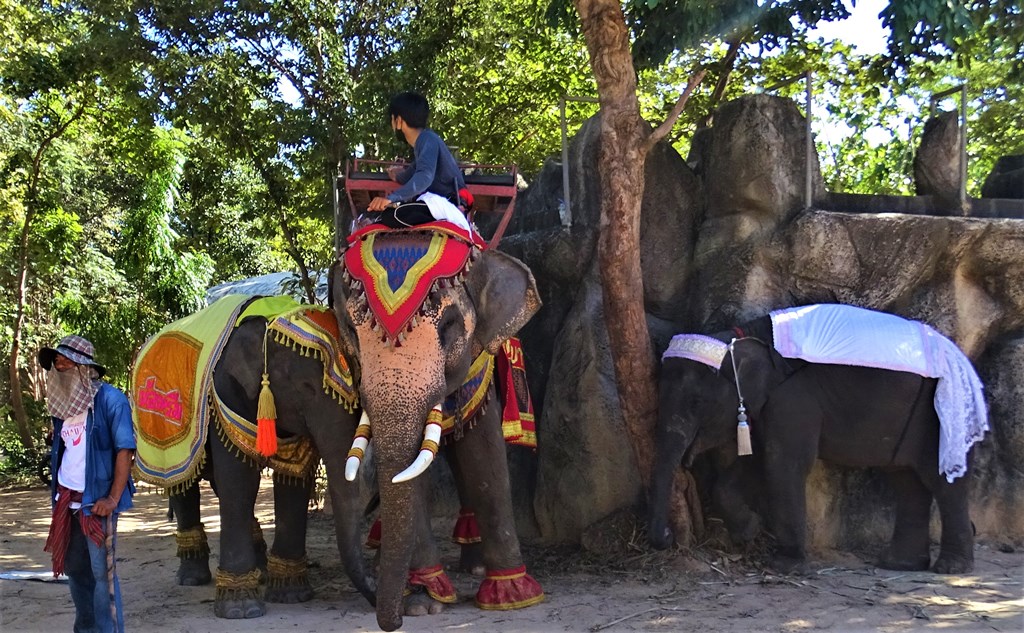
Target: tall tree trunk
625, 141
21, 288
20, 291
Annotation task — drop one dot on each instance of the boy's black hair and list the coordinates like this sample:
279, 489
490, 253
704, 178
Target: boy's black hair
412, 107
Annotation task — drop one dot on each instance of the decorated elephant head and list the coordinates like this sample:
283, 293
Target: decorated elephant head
416, 308
698, 406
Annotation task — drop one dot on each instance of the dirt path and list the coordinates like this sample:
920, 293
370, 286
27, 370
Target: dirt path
648, 592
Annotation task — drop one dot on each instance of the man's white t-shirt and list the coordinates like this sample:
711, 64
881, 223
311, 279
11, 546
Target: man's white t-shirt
72, 466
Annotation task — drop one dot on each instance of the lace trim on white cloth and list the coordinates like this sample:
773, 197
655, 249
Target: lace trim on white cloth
698, 347
847, 335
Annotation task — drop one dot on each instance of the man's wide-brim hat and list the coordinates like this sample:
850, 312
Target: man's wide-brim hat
75, 349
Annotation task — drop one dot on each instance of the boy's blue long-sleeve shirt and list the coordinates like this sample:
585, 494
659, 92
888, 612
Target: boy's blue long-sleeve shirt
433, 169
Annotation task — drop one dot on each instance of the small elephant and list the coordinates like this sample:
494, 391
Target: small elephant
303, 409
412, 351
799, 411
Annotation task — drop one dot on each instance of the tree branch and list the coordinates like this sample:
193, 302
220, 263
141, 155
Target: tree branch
271, 59
727, 65
662, 130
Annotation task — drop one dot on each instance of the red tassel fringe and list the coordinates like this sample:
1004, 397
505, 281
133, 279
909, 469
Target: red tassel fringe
266, 436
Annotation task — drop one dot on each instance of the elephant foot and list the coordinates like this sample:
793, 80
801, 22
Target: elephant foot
238, 595
744, 532
419, 602
288, 594
896, 562
239, 609
506, 589
789, 565
950, 564
287, 581
193, 572
471, 560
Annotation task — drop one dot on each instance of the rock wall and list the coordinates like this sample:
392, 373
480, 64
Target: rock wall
729, 245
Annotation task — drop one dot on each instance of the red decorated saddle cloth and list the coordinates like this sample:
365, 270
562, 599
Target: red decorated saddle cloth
397, 269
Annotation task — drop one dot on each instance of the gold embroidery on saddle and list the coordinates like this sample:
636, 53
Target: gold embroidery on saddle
473, 396
295, 455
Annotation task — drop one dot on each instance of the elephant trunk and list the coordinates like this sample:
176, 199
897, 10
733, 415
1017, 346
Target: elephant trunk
672, 442
428, 449
397, 512
348, 524
397, 437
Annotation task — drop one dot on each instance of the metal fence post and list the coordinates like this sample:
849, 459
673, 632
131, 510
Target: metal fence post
808, 145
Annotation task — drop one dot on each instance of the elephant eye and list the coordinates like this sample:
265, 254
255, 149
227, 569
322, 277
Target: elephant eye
451, 327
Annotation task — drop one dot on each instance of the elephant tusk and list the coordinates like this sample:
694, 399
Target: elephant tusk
359, 444
431, 436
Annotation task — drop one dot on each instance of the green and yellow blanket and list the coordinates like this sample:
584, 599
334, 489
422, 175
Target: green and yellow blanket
170, 381
172, 387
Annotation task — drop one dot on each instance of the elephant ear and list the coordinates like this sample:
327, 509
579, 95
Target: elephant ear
337, 300
504, 294
759, 375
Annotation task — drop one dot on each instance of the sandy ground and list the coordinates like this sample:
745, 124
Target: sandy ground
644, 592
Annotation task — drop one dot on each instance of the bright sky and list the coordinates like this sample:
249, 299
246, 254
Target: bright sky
863, 29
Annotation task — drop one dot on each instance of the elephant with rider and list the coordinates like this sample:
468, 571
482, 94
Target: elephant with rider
416, 310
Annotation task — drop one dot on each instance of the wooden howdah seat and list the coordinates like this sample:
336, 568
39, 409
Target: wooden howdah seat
493, 188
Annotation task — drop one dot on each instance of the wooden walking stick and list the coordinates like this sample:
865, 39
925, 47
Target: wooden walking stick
110, 570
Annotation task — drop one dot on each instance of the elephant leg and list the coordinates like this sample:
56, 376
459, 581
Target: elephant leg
908, 550
792, 426
671, 443
956, 551
728, 501
429, 586
237, 581
287, 568
471, 558
193, 549
481, 463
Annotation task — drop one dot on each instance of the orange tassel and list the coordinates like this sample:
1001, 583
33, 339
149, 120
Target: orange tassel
266, 417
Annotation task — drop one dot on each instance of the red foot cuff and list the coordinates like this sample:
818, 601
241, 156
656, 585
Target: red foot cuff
507, 589
435, 581
466, 530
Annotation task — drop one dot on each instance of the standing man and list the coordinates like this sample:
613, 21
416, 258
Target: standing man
433, 187
93, 447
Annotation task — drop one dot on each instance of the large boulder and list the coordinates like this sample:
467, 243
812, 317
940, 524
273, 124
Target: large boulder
1006, 180
730, 245
585, 467
753, 169
937, 162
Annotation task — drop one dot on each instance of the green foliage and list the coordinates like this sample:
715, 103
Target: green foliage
156, 148
20, 465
